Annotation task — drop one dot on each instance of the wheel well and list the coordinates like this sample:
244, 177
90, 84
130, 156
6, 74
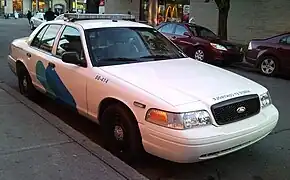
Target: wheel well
19, 65
110, 101
268, 55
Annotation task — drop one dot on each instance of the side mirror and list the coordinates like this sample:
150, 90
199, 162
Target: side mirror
72, 58
187, 34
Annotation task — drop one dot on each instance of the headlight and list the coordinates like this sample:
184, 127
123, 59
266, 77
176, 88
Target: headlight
250, 46
218, 46
265, 99
178, 120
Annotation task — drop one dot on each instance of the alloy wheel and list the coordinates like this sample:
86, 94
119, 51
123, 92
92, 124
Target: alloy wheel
199, 55
268, 66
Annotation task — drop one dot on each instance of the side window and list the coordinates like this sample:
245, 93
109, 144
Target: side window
70, 41
285, 40
48, 38
37, 39
168, 28
180, 30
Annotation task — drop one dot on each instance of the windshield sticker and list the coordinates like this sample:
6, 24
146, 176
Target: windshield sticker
102, 79
232, 95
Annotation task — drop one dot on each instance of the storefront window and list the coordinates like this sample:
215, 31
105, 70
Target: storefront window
168, 10
43, 5
17, 5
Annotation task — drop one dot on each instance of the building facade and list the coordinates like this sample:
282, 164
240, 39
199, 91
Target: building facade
149, 10
22, 6
248, 19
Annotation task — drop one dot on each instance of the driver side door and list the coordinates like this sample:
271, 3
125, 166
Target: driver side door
183, 38
70, 79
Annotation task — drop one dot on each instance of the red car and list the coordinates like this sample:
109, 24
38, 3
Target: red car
270, 55
201, 43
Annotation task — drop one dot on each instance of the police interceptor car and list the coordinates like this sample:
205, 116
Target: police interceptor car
143, 91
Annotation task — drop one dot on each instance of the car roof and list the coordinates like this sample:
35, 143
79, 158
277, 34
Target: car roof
180, 23
91, 24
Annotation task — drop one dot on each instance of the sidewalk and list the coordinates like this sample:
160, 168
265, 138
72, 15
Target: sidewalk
36, 145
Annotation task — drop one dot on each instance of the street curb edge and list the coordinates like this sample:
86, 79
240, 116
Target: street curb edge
105, 156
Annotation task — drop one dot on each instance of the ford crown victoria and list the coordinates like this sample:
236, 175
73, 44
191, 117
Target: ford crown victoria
145, 93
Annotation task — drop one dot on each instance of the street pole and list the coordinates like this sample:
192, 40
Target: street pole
76, 4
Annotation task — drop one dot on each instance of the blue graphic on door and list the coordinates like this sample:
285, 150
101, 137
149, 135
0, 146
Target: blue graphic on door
52, 83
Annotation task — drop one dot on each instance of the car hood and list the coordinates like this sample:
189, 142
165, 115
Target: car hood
181, 81
221, 42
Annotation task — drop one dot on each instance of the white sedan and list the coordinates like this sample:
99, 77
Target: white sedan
142, 90
36, 20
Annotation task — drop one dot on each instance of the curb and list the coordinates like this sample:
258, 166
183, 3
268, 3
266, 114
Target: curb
103, 155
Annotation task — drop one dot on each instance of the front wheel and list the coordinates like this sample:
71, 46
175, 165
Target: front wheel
199, 54
269, 66
121, 133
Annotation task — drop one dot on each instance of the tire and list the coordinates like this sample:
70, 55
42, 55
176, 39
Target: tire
199, 54
25, 85
121, 133
269, 65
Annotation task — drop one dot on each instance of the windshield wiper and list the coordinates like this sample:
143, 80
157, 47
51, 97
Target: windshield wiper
119, 59
157, 57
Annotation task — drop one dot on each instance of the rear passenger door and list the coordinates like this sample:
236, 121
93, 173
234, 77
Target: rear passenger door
40, 53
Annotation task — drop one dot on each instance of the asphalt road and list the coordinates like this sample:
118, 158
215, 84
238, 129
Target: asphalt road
266, 160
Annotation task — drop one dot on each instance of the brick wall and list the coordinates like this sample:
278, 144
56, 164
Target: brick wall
247, 18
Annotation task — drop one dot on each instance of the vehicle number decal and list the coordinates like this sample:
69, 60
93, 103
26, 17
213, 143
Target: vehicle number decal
102, 79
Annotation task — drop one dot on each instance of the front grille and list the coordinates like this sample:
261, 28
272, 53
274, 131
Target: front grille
236, 109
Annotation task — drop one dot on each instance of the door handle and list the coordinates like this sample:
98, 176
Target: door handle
51, 64
28, 55
173, 37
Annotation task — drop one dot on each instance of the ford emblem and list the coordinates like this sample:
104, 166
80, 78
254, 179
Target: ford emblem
241, 109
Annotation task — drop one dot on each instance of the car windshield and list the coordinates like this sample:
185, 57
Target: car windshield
111, 46
202, 32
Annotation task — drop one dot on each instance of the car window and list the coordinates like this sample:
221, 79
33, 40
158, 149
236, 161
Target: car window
168, 28
37, 39
128, 45
70, 41
202, 32
180, 30
49, 36
285, 40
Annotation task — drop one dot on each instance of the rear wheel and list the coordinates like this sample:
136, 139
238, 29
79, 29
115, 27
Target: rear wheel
25, 85
269, 65
121, 133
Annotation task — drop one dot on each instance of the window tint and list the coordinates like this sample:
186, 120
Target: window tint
202, 32
168, 28
285, 40
180, 30
49, 37
36, 41
70, 41
108, 46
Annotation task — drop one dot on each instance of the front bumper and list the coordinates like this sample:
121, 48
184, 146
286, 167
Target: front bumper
187, 146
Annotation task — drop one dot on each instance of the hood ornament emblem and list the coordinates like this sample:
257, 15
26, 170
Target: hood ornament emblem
241, 109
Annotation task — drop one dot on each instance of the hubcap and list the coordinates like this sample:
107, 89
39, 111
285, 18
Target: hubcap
118, 133
268, 66
24, 84
199, 55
